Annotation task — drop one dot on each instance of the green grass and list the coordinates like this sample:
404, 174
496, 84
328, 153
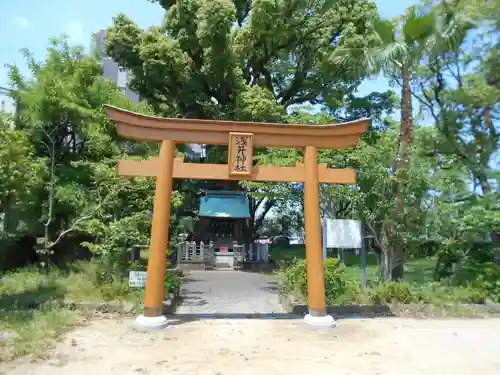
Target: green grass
75, 284
32, 331
280, 254
420, 271
417, 271
31, 313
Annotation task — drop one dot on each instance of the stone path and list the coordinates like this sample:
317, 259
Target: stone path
228, 292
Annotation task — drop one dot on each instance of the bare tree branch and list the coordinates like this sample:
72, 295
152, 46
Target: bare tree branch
78, 221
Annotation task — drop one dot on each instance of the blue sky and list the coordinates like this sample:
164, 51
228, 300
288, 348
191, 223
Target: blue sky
31, 27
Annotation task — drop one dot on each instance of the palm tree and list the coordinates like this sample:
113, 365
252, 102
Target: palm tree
402, 45
399, 49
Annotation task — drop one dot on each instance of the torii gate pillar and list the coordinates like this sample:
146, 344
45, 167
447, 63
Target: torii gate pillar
314, 250
154, 294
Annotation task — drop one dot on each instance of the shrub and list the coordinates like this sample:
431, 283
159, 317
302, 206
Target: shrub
447, 255
344, 287
437, 293
488, 281
480, 272
336, 282
294, 279
390, 292
441, 293
468, 267
172, 283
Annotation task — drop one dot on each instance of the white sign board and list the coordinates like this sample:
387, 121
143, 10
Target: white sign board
342, 234
137, 279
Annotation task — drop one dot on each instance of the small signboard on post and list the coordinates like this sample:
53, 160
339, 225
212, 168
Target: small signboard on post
137, 279
345, 234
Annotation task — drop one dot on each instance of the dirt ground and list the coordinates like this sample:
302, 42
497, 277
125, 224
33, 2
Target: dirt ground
391, 346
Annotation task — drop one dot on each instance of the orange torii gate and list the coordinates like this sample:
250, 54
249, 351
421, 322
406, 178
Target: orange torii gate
240, 137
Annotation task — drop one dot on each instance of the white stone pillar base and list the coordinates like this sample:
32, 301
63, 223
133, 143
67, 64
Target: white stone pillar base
151, 323
320, 321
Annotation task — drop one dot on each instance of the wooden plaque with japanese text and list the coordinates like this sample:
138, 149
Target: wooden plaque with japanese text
240, 154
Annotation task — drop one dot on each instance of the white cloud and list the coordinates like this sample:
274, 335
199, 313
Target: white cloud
76, 34
22, 22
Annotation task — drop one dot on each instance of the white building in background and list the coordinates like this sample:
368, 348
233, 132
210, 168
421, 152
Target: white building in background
120, 76
110, 68
8, 107
7, 104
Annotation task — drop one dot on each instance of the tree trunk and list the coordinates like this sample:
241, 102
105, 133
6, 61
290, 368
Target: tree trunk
386, 273
50, 199
258, 221
402, 164
397, 272
386, 257
406, 111
484, 158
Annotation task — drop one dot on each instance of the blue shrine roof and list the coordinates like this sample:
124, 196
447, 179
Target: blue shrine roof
224, 204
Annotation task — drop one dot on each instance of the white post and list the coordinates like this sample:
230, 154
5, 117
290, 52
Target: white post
265, 249
324, 234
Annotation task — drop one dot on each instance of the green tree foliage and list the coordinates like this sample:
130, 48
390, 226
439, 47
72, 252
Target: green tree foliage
457, 88
21, 174
63, 124
243, 60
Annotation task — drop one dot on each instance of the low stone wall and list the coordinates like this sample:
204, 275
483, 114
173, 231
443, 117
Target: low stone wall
123, 308
292, 306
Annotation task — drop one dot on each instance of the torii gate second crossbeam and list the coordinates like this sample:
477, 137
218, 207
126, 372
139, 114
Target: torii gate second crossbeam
241, 138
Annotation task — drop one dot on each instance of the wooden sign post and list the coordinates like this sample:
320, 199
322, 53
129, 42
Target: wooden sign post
240, 137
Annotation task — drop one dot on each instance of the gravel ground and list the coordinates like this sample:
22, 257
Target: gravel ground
390, 346
196, 343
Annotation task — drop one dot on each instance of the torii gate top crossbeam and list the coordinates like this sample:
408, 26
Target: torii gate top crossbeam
150, 128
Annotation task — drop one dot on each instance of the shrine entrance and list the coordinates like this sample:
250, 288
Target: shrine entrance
241, 138
221, 238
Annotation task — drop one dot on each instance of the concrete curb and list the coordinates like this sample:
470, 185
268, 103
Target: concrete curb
122, 308
292, 306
